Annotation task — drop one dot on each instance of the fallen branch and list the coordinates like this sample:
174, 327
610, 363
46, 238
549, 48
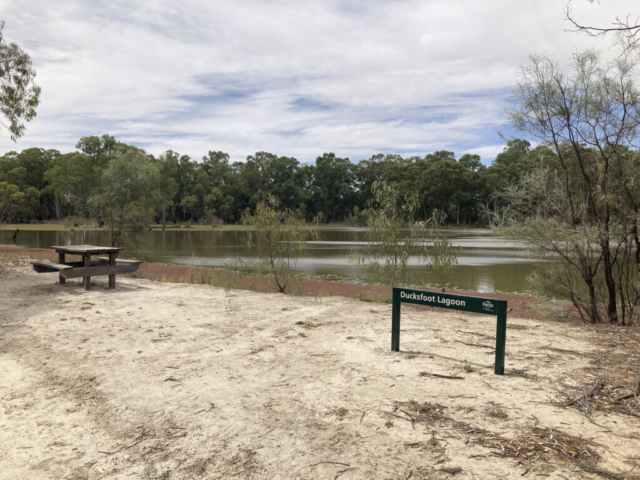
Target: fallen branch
341, 472
585, 398
125, 447
437, 375
402, 418
451, 470
475, 344
332, 463
624, 397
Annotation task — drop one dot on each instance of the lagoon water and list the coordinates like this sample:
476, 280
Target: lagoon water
486, 263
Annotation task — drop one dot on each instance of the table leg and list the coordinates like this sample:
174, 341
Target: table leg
112, 278
87, 264
61, 279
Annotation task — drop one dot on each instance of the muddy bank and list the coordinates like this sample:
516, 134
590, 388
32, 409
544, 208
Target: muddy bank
524, 306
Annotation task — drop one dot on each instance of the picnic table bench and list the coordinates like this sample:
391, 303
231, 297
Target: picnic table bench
87, 268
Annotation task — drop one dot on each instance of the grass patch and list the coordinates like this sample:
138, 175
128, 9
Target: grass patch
341, 412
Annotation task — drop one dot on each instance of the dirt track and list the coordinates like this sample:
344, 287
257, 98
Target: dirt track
178, 381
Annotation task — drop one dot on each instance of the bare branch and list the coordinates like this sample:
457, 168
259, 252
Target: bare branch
628, 30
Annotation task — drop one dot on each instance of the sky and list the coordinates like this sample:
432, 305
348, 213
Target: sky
292, 77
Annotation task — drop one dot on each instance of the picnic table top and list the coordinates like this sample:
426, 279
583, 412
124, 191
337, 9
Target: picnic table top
85, 249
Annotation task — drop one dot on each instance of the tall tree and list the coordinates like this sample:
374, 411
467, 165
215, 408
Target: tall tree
586, 214
100, 149
127, 196
333, 187
19, 95
73, 179
167, 165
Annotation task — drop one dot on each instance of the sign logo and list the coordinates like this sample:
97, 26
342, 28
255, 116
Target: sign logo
487, 305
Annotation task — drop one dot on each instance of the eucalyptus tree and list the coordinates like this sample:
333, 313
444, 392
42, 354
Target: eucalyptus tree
19, 95
167, 165
127, 196
100, 149
73, 180
584, 214
332, 191
10, 199
446, 187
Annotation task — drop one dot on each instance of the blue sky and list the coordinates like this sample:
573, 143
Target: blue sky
295, 78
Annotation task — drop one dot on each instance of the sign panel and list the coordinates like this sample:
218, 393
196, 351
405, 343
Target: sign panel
487, 306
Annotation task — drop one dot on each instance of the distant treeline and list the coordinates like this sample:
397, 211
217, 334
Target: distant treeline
38, 184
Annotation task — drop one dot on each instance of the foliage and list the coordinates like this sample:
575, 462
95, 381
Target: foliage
394, 238
74, 178
127, 196
278, 237
167, 168
10, 200
582, 212
19, 95
215, 190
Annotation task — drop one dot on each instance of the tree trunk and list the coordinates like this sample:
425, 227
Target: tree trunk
594, 316
612, 307
56, 202
636, 240
458, 216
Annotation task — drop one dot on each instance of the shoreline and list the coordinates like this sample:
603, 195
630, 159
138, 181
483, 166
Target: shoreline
67, 227
519, 305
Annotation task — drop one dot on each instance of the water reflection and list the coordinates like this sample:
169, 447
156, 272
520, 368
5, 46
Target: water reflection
487, 263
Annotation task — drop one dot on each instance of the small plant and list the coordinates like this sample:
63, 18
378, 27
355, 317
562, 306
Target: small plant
341, 412
205, 274
226, 280
367, 297
191, 271
388, 424
317, 301
469, 369
432, 442
297, 288
394, 236
498, 413
278, 237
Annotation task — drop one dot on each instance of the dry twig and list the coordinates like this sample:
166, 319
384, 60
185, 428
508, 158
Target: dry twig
437, 375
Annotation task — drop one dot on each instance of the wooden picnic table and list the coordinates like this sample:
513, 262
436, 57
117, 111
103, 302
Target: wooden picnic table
87, 268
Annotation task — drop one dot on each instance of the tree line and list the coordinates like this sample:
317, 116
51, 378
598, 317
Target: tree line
39, 185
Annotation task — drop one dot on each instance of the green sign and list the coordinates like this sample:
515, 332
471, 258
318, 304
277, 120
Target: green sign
488, 306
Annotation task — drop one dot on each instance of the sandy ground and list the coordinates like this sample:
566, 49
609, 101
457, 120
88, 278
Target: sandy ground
173, 381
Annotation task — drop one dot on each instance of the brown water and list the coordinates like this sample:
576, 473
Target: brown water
486, 263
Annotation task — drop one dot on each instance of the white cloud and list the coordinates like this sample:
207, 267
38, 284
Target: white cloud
292, 77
